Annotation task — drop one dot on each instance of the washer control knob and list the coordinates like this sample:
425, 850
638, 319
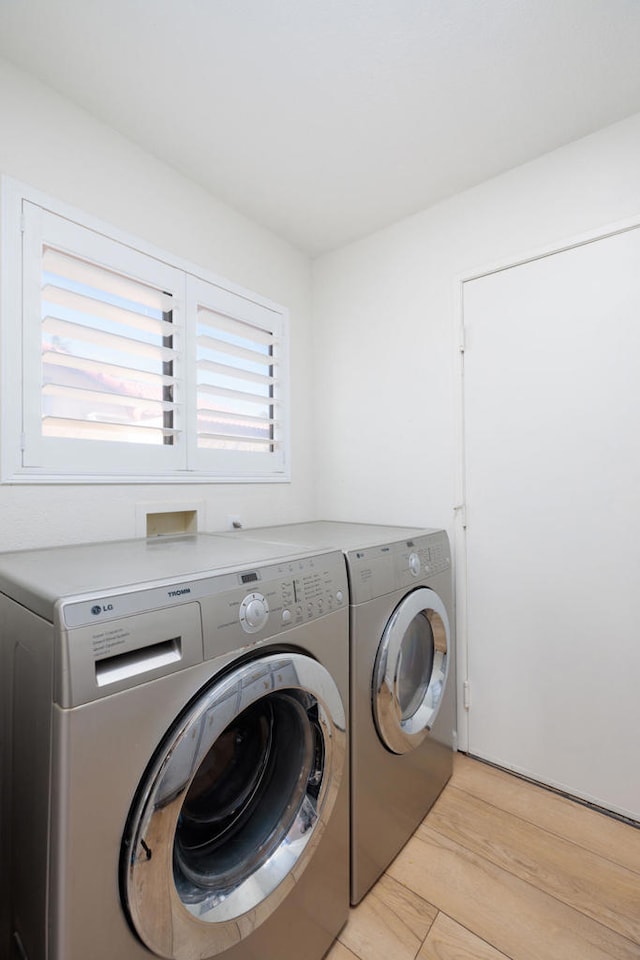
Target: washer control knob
254, 612
339, 596
414, 564
286, 616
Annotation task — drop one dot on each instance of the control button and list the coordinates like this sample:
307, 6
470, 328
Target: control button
414, 564
339, 596
286, 616
254, 612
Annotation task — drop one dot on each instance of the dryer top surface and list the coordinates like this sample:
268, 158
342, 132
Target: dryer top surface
334, 534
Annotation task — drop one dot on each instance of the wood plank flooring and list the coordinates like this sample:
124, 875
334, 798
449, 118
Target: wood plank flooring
503, 870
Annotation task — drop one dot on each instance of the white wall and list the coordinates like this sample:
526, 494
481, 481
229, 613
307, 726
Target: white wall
51, 145
381, 446
386, 323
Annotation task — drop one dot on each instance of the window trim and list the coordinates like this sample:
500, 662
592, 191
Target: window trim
215, 466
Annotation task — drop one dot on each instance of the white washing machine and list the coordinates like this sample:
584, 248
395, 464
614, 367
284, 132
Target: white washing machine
175, 751
403, 691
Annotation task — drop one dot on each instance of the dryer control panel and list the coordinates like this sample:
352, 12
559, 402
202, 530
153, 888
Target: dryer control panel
376, 571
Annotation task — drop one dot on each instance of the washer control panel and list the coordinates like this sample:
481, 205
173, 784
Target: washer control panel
261, 601
309, 590
114, 640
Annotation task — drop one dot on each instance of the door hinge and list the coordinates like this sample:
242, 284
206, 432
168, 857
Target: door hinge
466, 694
23, 442
462, 344
461, 510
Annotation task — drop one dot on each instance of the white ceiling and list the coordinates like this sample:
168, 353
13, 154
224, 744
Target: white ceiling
327, 119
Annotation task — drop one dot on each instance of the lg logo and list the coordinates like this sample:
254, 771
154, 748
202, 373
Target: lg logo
96, 609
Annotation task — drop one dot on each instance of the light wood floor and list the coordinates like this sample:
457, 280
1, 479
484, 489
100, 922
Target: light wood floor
503, 869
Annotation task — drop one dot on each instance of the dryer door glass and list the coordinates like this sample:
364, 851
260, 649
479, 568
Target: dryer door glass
411, 671
233, 806
415, 664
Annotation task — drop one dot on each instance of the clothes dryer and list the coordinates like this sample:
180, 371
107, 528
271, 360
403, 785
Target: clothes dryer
177, 750
402, 667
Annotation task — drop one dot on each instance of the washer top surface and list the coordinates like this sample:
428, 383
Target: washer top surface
334, 534
38, 578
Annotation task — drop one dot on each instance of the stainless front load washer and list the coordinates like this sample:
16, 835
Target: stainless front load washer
403, 700
175, 751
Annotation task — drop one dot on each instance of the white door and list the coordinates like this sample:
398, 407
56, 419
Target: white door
552, 475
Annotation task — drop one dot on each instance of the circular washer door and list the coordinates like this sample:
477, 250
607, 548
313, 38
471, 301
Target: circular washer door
411, 670
230, 811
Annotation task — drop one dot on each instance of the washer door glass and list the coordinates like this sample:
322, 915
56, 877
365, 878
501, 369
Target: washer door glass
411, 671
233, 806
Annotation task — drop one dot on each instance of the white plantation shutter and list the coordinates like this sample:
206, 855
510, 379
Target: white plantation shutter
240, 393
103, 354
117, 364
107, 354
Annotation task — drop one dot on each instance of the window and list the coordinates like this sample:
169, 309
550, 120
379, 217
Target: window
117, 364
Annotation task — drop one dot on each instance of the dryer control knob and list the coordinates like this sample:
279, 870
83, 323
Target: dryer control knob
254, 612
414, 564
